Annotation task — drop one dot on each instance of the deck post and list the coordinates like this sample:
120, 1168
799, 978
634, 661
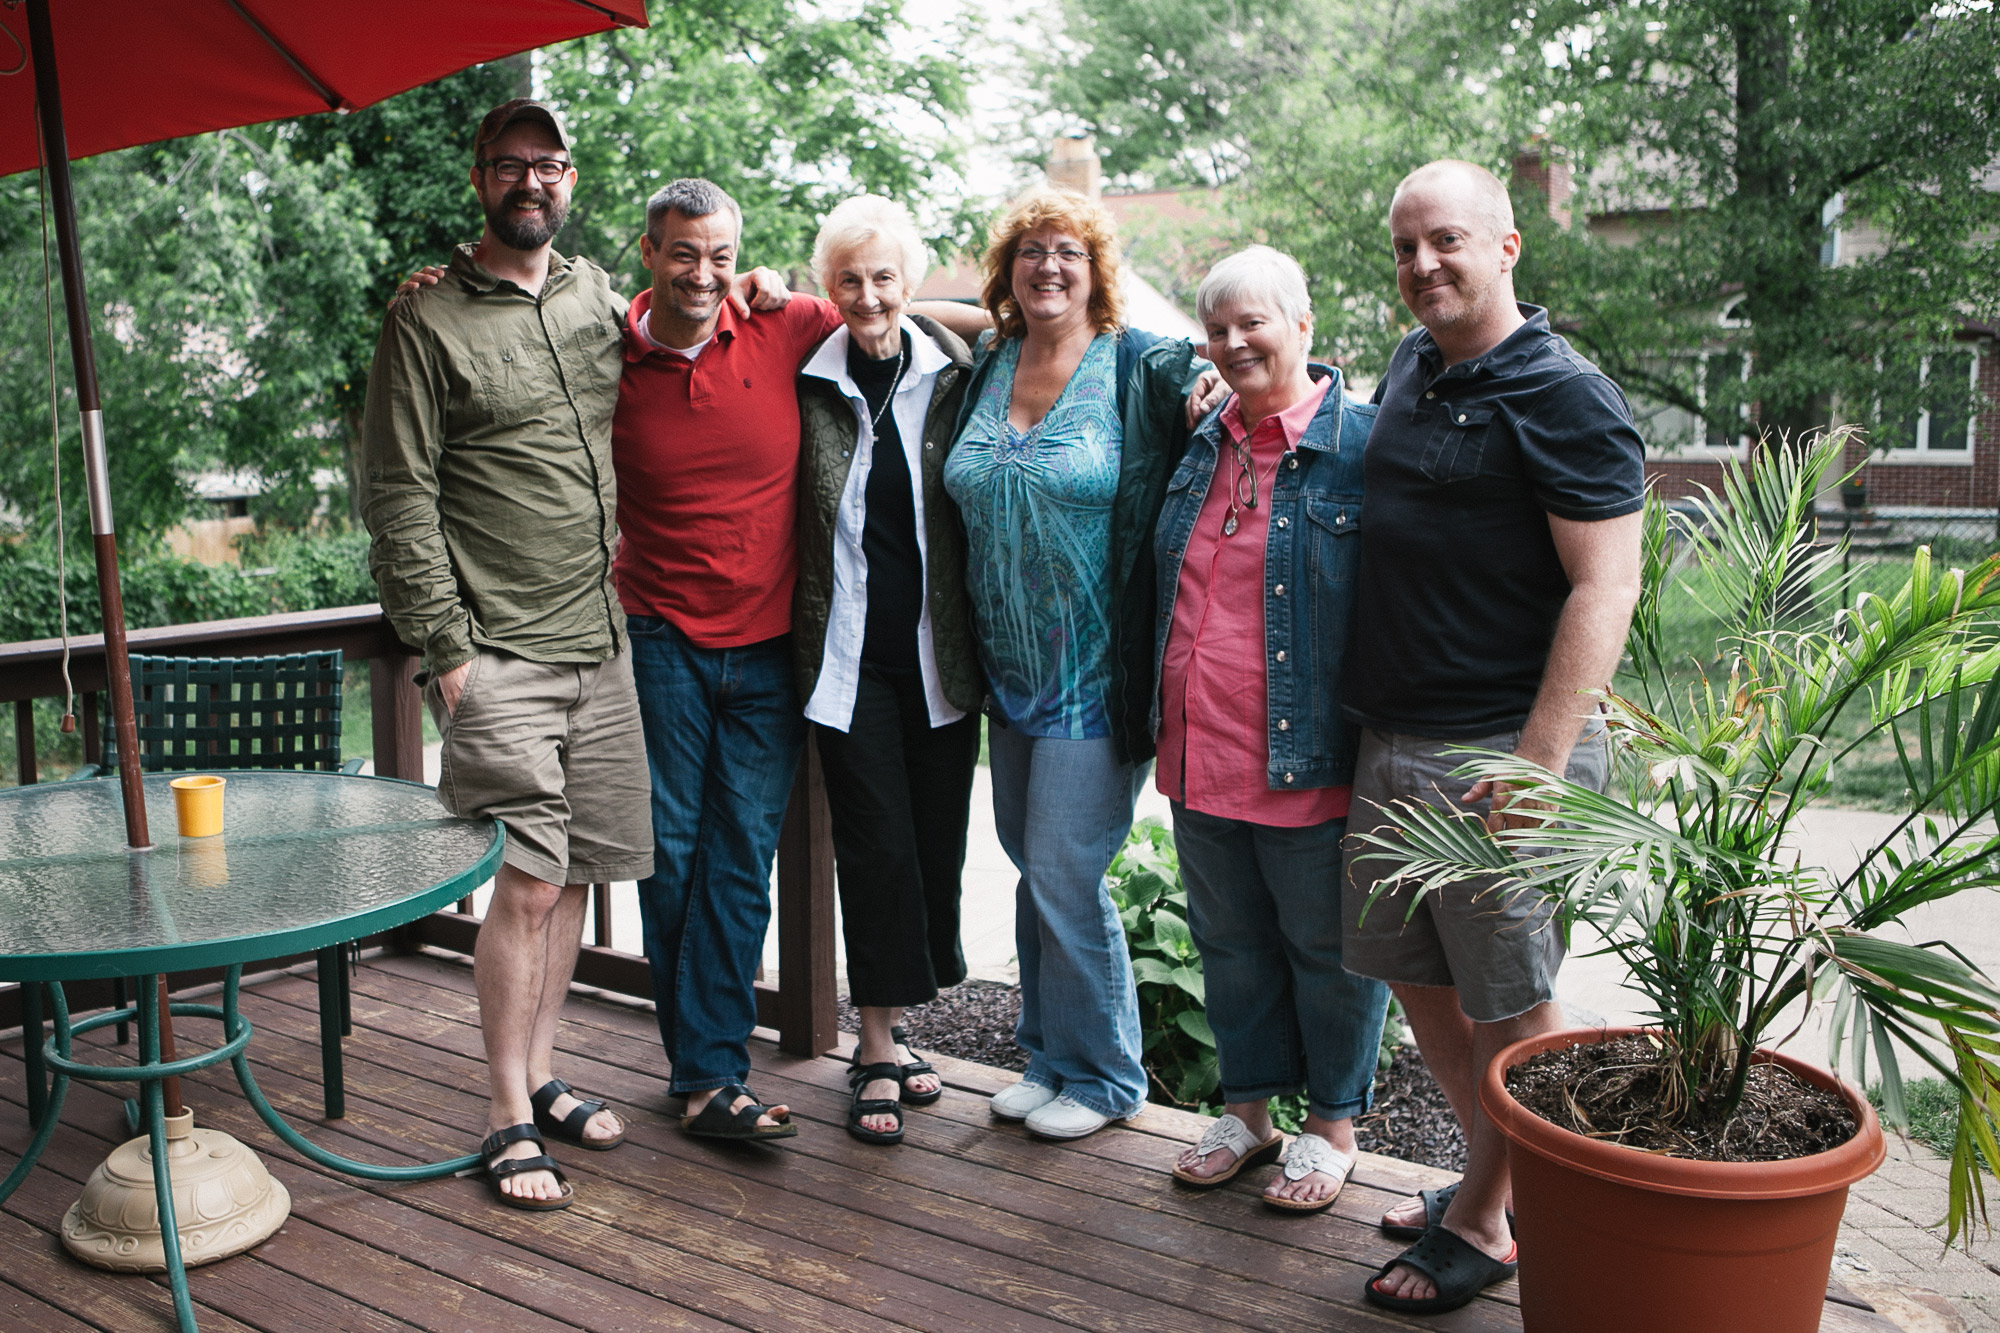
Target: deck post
806, 1012
397, 705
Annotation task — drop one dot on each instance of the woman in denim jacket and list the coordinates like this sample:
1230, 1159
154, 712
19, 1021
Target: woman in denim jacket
1256, 554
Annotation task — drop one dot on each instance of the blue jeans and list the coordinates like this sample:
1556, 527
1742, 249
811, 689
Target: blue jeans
1062, 809
1264, 906
723, 733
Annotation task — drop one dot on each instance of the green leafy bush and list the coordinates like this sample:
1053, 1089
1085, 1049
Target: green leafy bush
1179, 1051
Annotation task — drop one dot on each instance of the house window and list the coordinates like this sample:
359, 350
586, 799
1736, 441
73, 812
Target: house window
1942, 429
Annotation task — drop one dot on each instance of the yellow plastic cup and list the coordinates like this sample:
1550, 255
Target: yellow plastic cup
198, 805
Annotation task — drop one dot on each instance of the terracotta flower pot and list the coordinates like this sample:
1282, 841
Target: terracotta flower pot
1612, 1237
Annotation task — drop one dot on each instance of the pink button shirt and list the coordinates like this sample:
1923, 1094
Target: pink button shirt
1215, 712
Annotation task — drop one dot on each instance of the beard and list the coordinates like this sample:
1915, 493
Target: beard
521, 233
693, 302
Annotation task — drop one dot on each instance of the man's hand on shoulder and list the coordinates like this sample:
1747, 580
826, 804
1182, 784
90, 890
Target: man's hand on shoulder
427, 276
759, 289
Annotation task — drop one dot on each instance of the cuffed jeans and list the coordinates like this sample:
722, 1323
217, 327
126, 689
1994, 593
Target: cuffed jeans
1264, 906
1062, 809
723, 734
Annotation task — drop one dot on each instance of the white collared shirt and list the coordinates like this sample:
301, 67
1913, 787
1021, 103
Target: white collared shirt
832, 702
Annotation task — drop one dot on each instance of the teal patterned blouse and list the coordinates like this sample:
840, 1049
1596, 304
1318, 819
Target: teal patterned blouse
1037, 510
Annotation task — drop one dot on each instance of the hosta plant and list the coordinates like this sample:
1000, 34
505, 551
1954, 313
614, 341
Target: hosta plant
1684, 869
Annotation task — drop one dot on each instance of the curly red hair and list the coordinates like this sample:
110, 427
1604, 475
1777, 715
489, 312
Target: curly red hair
1088, 221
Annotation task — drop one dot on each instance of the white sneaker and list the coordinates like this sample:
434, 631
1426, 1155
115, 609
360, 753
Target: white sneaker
1066, 1119
1020, 1100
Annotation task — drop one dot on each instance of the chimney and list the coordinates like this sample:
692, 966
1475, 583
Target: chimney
1073, 165
1546, 172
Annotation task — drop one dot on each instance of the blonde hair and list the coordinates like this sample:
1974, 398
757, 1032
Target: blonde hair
1256, 273
864, 218
1091, 223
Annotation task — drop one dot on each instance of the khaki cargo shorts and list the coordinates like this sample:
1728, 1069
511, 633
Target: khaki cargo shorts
552, 750
1500, 949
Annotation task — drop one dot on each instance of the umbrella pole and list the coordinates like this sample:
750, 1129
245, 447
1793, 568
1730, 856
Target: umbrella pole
55, 157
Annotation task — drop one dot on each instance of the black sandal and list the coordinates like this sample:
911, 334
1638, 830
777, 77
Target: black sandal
570, 1127
904, 1073
717, 1121
1435, 1202
1458, 1269
498, 1170
858, 1107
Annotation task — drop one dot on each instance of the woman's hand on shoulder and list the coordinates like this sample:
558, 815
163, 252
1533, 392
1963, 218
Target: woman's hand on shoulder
1208, 394
759, 289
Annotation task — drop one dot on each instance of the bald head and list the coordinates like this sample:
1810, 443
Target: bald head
1476, 192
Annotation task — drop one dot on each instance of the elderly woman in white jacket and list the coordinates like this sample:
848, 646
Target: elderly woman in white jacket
883, 640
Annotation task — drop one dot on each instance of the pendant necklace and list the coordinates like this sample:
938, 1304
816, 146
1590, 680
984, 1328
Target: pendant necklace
875, 418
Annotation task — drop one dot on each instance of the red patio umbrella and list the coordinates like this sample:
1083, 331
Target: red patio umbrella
94, 75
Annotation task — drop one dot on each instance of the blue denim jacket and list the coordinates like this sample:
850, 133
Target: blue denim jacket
1309, 564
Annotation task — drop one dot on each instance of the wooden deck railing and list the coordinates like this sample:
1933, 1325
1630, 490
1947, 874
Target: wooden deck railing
800, 1006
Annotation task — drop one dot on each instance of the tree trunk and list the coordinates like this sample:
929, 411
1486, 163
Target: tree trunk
1777, 275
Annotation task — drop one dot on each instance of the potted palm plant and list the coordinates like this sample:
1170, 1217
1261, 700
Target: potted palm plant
1684, 872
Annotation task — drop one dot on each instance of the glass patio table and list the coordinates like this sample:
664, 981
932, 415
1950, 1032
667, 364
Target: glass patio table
305, 860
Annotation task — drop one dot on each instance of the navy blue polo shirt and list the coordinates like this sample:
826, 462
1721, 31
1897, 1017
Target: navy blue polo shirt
1459, 586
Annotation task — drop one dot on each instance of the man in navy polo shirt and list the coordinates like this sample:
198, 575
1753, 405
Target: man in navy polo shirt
1499, 568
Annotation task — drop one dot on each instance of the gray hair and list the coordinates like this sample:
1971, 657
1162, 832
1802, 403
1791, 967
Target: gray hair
1485, 197
691, 197
1258, 273
864, 218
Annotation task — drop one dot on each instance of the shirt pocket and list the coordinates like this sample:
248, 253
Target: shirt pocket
1329, 523
1457, 444
515, 382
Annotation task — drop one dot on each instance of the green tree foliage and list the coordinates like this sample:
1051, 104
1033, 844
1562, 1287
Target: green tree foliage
1734, 132
237, 280
1307, 112
222, 272
786, 106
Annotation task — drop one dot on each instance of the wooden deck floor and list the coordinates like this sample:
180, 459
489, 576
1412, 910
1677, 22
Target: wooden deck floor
968, 1225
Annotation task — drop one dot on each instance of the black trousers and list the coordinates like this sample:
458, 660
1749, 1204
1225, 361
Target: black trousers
900, 793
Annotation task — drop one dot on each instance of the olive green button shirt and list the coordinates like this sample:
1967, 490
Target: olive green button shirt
486, 465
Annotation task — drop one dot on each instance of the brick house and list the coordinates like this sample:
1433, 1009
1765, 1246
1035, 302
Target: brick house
1937, 469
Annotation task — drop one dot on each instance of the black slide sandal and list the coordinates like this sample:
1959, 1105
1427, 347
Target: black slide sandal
497, 1171
858, 1107
570, 1128
1458, 1269
717, 1121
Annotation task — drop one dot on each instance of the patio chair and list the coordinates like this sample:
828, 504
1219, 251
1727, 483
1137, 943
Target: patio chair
249, 712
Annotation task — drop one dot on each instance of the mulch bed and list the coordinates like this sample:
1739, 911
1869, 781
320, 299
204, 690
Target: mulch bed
1615, 1090
975, 1021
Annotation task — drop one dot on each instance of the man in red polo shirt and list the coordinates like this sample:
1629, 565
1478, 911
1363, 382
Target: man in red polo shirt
706, 446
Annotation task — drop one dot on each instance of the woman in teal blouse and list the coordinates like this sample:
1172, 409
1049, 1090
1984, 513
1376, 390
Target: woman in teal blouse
1072, 426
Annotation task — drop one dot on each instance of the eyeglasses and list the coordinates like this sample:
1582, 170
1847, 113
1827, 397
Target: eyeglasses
1069, 256
548, 170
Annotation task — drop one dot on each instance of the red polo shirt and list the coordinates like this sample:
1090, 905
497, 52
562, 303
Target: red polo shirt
707, 456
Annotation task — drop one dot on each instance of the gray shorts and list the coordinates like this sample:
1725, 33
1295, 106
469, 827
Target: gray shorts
1500, 949
552, 750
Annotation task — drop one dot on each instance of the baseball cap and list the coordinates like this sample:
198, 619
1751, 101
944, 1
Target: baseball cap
508, 113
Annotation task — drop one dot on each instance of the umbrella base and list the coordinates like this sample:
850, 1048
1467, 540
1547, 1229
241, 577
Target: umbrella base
225, 1202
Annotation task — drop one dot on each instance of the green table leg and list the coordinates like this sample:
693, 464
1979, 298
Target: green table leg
52, 1108
31, 1052
156, 1129
333, 1087
234, 1025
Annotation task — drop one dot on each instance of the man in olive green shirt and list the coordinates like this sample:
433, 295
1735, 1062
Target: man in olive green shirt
488, 489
